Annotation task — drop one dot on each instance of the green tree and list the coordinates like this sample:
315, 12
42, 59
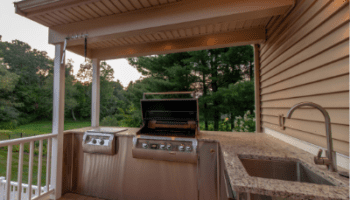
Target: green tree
71, 91
112, 94
32, 66
217, 68
166, 72
8, 103
204, 71
236, 99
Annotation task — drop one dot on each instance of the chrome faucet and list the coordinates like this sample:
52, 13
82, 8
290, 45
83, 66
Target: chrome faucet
330, 160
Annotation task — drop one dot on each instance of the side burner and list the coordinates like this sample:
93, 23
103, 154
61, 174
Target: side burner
101, 140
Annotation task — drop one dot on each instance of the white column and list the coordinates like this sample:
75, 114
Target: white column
58, 121
95, 101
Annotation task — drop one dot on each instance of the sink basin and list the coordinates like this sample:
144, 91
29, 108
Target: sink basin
282, 170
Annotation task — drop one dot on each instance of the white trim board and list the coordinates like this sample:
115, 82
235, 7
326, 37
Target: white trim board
342, 160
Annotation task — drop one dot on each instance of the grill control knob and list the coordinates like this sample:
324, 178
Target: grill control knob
94, 141
181, 147
144, 145
168, 146
188, 148
162, 146
102, 142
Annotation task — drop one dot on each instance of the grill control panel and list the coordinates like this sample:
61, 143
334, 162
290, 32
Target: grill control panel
165, 145
101, 140
165, 148
102, 143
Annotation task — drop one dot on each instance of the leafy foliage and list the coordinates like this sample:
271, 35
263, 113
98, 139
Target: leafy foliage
245, 124
220, 77
211, 73
32, 67
8, 111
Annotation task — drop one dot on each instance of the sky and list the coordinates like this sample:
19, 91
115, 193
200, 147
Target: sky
13, 26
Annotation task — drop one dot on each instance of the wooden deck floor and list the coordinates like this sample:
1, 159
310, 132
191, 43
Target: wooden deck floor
72, 196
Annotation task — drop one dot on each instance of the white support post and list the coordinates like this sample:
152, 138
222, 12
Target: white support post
95, 101
58, 121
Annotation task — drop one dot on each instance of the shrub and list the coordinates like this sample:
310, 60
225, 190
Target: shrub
224, 125
109, 121
245, 124
9, 125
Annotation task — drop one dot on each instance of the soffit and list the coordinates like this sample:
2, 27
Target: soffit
58, 12
123, 28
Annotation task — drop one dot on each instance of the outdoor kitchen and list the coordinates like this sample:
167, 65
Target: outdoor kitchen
170, 158
299, 150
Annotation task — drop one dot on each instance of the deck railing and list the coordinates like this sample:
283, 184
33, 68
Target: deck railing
14, 190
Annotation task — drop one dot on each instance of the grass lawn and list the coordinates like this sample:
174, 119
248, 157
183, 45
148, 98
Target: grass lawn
15, 155
35, 128
43, 127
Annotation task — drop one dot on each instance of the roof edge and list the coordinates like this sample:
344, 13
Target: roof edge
23, 7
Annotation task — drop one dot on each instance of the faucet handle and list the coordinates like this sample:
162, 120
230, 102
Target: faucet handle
317, 159
319, 154
321, 160
281, 121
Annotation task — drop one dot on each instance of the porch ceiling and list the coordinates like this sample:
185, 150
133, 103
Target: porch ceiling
124, 28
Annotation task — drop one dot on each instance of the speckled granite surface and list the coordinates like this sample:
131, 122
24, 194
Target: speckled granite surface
129, 132
262, 146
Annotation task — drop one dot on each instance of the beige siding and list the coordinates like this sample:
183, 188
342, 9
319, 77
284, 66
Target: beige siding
306, 58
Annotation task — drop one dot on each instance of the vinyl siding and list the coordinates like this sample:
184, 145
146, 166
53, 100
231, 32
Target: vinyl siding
306, 58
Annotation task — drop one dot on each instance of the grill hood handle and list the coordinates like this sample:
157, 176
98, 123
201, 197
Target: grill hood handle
186, 92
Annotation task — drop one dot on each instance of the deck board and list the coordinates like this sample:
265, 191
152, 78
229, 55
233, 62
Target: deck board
72, 196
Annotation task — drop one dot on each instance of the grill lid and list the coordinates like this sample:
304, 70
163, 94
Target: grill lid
170, 117
170, 109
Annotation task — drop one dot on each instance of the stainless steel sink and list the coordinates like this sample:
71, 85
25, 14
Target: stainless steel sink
282, 170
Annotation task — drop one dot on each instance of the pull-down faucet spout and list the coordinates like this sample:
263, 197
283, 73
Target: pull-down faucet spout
330, 160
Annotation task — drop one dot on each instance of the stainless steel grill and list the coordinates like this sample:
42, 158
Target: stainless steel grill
137, 167
169, 129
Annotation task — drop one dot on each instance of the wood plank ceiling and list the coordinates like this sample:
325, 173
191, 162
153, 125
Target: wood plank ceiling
131, 24
94, 9
182, 33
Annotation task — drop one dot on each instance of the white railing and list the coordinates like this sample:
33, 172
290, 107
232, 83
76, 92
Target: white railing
11, 190
14, 190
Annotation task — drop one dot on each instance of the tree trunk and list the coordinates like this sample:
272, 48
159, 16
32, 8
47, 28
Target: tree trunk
216, 116
232, 121
205, 104
205, 116
214, 84
73, 115
251, 74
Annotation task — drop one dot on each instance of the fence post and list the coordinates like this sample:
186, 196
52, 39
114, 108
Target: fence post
2, 187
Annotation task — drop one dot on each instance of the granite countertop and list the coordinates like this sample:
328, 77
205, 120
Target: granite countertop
129, 132
263, 146
236, 145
